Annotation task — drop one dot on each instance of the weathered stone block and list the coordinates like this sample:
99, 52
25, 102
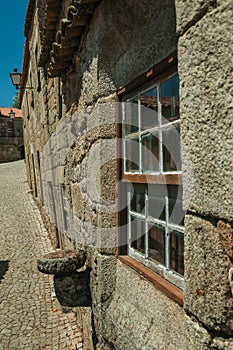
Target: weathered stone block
142, 317
115, 59
61, 262
103, 278
73, 290
190, 12
77, 200
221, 344
206, 114
207, 263
197, 336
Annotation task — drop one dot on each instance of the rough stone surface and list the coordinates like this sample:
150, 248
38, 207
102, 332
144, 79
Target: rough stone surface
206, 114
221, 344
131, 321
29, 315
207, 264
190, 12
197, 336
119, 51
124, 40
73, 290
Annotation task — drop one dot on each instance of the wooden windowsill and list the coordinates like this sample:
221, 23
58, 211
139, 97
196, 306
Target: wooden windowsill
168, 179
160, 283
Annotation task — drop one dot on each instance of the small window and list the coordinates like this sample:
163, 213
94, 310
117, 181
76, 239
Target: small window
51, 203
65, 210
59, 97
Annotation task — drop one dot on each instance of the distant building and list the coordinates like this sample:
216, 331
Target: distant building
11, 134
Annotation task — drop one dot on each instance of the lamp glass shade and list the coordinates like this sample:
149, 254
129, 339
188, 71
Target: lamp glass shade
15, 77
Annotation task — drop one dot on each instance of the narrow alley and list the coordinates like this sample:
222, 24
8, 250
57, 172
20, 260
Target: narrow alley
28, 318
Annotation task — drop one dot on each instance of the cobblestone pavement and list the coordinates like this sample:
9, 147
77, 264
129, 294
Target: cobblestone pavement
27, 317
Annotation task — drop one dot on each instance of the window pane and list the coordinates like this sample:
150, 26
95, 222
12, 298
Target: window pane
177, 251
131, 116
138, 235
149, 108
156, 201
170, 99
157, 243
132, 155
138, 199
176, 212
171, 148
150, 152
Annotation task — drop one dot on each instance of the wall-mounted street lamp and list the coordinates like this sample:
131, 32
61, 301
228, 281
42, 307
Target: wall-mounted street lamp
16, 78
12, 114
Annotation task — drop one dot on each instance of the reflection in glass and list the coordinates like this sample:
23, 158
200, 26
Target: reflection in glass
156, 201
138, 235
131, 117
150, 152
138, 199
177, 251
149, 108
171, 148
157, 243
170, 99
176, 212
132, 155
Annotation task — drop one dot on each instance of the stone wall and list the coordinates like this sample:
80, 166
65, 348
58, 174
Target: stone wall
206, 130
123, 40
11, 151
11, 139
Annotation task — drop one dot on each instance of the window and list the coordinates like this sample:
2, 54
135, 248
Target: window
151, 173
51, 203
59, 97
38, 70
40, 179
34, 176
32, 93
65, 210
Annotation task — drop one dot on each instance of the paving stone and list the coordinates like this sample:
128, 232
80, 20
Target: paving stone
26, 295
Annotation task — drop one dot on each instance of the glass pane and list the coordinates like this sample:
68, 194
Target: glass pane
131, 116
171, 148
156, 201
157, 243
177, 251
176, 212
170, 99
132, 155
149, 108
138, 235
150, 152
138, 198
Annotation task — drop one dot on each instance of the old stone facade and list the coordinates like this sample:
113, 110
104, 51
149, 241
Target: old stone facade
11, 135
92, 65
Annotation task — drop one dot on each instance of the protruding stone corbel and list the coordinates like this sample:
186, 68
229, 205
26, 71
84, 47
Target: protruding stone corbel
64, 23
58, 37
61, 262
72, 287
230, 279
77, 3
71, 12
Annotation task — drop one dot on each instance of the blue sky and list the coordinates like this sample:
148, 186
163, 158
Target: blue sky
11, 45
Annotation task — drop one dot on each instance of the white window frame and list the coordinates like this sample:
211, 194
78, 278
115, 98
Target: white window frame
164, 270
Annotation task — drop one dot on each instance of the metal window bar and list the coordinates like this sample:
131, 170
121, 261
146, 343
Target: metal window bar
167, 234
139, 134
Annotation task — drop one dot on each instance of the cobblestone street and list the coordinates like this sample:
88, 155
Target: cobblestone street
27, 317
